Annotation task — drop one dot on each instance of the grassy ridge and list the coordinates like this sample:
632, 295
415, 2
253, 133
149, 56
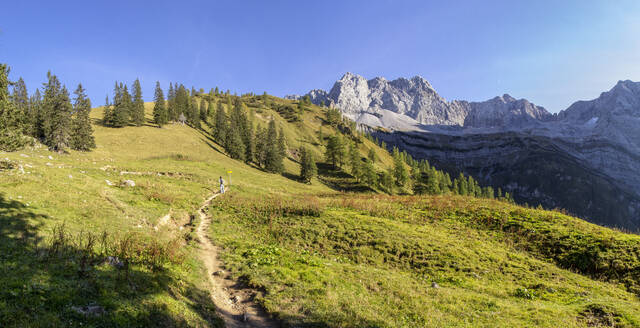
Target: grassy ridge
353, 261
174, 168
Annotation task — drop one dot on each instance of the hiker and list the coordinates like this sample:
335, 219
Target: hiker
221, 185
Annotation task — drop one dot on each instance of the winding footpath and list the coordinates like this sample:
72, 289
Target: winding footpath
235, 303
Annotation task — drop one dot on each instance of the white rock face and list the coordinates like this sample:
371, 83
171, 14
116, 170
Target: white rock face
420, 104
602, 134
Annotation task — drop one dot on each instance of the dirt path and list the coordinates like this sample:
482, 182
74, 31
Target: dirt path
234, 303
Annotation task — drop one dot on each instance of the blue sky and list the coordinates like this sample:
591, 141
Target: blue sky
550, 52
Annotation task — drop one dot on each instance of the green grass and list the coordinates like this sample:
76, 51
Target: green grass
323, 258
352, 261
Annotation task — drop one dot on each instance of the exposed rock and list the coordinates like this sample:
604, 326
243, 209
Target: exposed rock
128, 183
378, 102
435, 285
109, 183
510, 143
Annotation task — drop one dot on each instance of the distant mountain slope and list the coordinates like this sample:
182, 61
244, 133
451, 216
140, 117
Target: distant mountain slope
602, 136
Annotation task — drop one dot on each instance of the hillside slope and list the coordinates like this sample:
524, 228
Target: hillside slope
322, 257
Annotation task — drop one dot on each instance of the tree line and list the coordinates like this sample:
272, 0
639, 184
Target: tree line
49, 116
342, 152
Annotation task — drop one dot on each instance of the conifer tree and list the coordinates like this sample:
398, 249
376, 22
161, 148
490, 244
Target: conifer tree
107, 119
127, 105
11, 137
308, 168
204, 110
332, 150
399, 170
260, 146
171, 100
57, 108
369, 175
372, 155
354, 161
273, 158
137, 112
160, 107
221, 124
35, 115
82, 133
282, 146
20, 100
235, 145
120, 111
386, 181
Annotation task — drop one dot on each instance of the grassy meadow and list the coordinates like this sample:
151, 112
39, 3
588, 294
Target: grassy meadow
322, 257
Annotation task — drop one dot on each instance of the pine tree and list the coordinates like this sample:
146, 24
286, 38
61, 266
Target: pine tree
260, 141
120, 113
137, 112
127, 106
171, 100
20, 100
160, 107
369, 175
282, 146
235, 145
332, 150
273, 158
82, 133
11, 138
221, 125
194, 112
204, 110
308, 168
35, 115
399, 170
372, 155
386, 181
107, 119
57, 108
354, 161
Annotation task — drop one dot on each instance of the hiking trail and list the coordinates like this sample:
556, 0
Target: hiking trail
234, 303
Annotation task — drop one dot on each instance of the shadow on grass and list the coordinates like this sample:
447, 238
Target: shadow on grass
339, 180
41, 282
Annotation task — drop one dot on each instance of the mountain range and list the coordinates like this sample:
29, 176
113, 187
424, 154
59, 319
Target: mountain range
584, 159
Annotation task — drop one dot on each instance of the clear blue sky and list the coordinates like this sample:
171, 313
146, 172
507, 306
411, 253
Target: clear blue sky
550, 52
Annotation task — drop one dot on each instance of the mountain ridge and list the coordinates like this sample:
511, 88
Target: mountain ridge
602, 135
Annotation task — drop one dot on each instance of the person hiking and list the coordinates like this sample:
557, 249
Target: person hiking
221, 185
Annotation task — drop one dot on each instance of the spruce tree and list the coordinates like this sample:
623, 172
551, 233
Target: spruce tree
204, 110
35, 115
400, 171
308, 168
120, 112
160, 107
20, 100
137, 112
235, 145
369, 175
171, 101
332, 150
107, 118
11, 138
372, 155
127, 105
260, 142
221, 124
354, 161
57, 108
82, 133
274, 158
